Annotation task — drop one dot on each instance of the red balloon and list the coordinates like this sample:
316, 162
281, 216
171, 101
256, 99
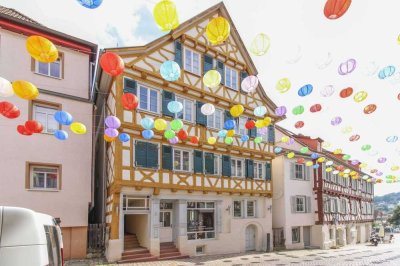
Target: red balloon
112, 63
340, 167
398, 96
334, 9
300, 160
346, 92
194, 140
354, 137
34, 126
299, 124
250, 124
13, 113
315, 108
6, 107
182, 134
129, 101
23, 130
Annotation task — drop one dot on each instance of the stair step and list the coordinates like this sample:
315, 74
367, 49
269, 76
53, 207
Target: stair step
133, 251
174, 257
153, 258
167, 244
168, 250
136, 256
170, 254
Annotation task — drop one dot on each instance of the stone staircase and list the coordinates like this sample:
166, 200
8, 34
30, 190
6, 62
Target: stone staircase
168, 251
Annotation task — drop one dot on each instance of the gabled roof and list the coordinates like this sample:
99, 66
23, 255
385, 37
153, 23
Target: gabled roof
17, 15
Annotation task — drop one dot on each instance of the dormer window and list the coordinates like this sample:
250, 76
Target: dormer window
192, 61
231, 78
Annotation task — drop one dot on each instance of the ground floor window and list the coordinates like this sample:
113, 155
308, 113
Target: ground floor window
295, 234
200, 220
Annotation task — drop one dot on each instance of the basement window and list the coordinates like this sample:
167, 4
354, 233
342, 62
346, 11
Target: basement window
200, 250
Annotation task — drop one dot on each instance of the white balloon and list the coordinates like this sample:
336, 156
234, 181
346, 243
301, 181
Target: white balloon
207, 109
324, 63
295, 58
260, 111
249, 84
327, 91
6, 89
371, 69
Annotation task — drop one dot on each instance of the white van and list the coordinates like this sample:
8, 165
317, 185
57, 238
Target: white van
28, 238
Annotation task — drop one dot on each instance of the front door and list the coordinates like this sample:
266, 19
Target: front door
250, 238
165, 226
307, 236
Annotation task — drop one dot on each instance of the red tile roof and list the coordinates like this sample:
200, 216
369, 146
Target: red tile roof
15, 14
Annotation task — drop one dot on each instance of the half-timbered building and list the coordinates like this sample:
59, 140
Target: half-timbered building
185, 199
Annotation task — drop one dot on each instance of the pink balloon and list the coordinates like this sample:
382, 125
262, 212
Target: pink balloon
280, 111
111, 132
347, 67
112, 122
249, 84
174, 140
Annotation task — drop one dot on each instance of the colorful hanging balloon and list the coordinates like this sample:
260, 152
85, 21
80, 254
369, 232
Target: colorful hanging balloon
382, 160
260, 45
366, 147
24, 131
160, 124
249, 84
111, 132
175, 107
337, 151
9, 110
147, 123
250, 124
336, 121
360, 96
41, 49
244, 138
174, 140
283, 85
315, 108
92, 4
314, 155
329, 163
347, 130
25, 90
347, 92
182, 134
327, 91
355, 162
123, 137
309, 163
386, 72
176, 124
63, 118
229, 124
194, 140
277, 149
300, 160
392, 139
299, 124
211, 140
6, 89
34, 126
230, 133
218, 30
60, 134
169, 134
222, 133
334, 9
369, 109
347, 67
304, 149
305, 90
290, 155
285, 139
395, 168
147, 134
260, 111
257, 140
166, 15
212, 79
280, 111
237, 110
170, 71
78, 128
129, 101
354, 137
112, 64
207, 109
298, 110
112, 122
346, 157
321, 159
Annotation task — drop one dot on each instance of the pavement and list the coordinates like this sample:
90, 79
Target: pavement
361, 254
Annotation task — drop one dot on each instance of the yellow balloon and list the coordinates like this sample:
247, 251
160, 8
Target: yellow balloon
212, 79
341, 174
325, 144
267, 121
369, 180
41, 49
109, 139
211, 140
78, 128
360, 96
290, 155
363, 165
160, 124
231, 133
237, 110
25, 90
329, 169
398, 39
337, 151
309, 163
283, 85
352, 173
260, 123
260, 45
218, 30
394, 168
346, 175
285, 139
347, 129
165, 15
321, 159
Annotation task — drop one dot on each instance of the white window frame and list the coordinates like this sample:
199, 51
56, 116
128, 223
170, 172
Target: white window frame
303, 171
181, 159
241, 125
298, 236
184, 102
254, 208
45, 188
297, 205
230, 83
241, 209
162, 217
234, 173
149, 88
191, 70
214, 119
126, 199
48, 113
256, 173
244, 208
59, 61
196, 233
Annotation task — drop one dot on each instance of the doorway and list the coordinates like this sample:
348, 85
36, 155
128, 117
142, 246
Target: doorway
166, 218
307, 236
136, 231
250, 238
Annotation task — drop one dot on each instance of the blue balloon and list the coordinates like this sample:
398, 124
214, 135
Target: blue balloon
148, 134
175, 107
170, 71
316, 166
314, 155
386, 72
147, 123
305, 90
222, 133
229, 124
63, 118
244, 138
124, 137
60, 134
92, 4
277, 149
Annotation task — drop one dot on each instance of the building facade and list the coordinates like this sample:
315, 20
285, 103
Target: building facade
40, 172
195, 198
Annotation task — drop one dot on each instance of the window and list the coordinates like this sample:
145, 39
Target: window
50, 69
299, 171
135, 203
192, 61
237, 168
259, 170
182, 160
300, 204
240, 126
44, 114
331, 234
43, 177
146, 154
237, 208
327, 204
295, 234
251, 208
200, 220
264, 136
244, 208
343, 206
187, 111
200, 250
148, 99
165, 218
231, 78
216, 119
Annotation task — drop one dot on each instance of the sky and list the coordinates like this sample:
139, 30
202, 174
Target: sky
306, 48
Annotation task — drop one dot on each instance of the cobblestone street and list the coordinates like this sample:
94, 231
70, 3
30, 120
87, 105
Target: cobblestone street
363, 254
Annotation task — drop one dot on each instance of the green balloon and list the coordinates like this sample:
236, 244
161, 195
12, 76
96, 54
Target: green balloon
298, 110
304, 150
169, 134
258, 140
346, 157
228, 140
390, 177
366, 147
176, 124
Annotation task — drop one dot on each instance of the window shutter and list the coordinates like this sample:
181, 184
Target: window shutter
252, 132
201, 119
198, 161
208, 63
308, 172
152, 155
167, 157
166, 98
227, 116
221, 70
249, 168
268, 171
293, 204
226, 165
243, 75
130, 86
338, 206
141, 154
292, 171
308, 204
271, 134
209, 163
178, 53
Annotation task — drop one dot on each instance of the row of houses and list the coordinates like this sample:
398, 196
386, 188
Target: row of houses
159, 200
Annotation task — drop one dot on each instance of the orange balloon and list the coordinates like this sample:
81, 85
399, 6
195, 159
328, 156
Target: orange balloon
369, 109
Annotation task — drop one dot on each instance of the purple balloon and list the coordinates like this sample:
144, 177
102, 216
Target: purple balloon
111, 132
263, 131
290, 142
379, 173
355, 162
112, 122
381, 160
347, 67
336, 121
280, 111
174, 140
